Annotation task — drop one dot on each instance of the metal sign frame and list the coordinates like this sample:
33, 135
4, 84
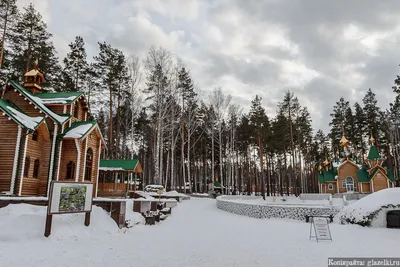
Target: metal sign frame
312, 225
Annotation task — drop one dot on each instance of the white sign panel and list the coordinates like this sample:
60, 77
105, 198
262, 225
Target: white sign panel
321, 227
70, 198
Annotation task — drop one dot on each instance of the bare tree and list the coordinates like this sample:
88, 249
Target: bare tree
220, 103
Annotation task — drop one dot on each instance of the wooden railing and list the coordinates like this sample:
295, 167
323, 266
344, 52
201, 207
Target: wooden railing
109, 187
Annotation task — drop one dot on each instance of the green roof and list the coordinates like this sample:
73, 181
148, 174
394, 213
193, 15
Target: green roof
321, 178
327, 176
79, 129
390, 174
362, 175
373, 153
59, 98
217, 185
38, 103
118, 164
19, 116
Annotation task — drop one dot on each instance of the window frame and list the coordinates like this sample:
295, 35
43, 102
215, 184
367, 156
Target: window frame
89, 164
330, 186
27, 166
71, 171
76, 110
35, 136
36, 167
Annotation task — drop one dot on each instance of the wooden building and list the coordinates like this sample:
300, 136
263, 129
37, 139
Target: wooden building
44, 137
118, 177
349, 175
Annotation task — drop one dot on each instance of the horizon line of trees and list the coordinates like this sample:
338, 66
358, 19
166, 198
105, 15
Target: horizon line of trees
150, 109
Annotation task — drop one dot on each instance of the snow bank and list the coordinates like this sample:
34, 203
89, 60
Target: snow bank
132, 218
372, 209
21, 222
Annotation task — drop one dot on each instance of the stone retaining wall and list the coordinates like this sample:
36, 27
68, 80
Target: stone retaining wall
297, 212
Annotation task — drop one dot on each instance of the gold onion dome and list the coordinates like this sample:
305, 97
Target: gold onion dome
326, 162
320, 167
372, 140
343, 141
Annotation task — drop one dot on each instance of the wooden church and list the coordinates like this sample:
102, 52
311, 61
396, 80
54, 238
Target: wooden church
349, 175
45, 137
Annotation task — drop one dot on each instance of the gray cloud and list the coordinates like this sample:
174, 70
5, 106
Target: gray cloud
321, 50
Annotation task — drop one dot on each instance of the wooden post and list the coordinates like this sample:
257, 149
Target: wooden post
49, 220
87, 218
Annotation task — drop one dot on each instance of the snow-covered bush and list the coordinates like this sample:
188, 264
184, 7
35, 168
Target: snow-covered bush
372, 209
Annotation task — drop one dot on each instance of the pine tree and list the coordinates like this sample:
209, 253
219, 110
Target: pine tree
359, 129
372, 116
8, 14
30, 40
259, 122
338, 121
110, 66
75, 66
349, 125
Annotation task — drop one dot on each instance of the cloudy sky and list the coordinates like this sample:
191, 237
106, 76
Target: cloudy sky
319, 49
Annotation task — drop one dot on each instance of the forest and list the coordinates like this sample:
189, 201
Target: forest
151, 109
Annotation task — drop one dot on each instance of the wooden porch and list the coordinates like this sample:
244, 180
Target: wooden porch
118, 177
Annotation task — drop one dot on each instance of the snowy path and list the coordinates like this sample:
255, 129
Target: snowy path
198, 234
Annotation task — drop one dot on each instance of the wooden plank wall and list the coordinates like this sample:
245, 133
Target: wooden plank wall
23, 104
68, 153
8, 139
40, 149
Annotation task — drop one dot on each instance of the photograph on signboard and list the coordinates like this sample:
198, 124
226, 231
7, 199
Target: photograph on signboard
72, 198
67, 197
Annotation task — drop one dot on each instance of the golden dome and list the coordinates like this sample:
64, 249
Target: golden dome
320, 167
372, 140
326, 162
343, 141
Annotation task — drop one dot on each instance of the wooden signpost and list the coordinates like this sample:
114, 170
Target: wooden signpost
69, 197
321, 228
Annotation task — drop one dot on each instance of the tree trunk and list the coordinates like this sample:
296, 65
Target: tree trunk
220, 157
110, 130
157, 153
261, 166
4, 36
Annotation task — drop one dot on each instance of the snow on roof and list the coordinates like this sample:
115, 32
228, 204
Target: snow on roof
32, 72
110, 169
38, 102
78, 131
59, 100
60, 119
373, 202
28, 122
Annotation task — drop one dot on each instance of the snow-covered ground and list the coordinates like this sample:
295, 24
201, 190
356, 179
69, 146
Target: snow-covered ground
196, 234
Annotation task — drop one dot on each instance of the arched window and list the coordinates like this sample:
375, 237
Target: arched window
330, 186
89, 163
26, 166
350, 184
36, 168
70, 170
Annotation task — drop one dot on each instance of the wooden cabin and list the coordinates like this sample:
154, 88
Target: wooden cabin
45, 137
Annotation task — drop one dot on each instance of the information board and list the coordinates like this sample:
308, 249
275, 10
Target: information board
70, 198
321, 228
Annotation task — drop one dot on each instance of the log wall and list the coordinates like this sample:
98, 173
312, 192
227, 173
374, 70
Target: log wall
41, 150
8, 139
